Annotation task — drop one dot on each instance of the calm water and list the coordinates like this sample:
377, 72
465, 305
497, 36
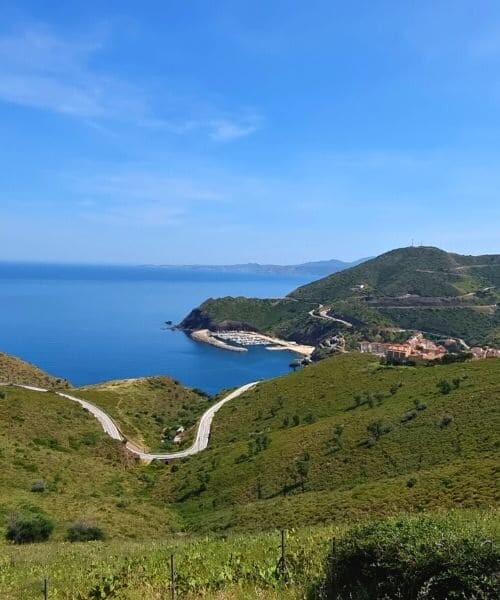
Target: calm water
89, 324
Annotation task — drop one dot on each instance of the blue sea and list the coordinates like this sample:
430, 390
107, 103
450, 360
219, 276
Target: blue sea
94, 323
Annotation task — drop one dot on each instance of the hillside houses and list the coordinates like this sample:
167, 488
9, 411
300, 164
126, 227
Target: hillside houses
416, 348
179, 435
487, 352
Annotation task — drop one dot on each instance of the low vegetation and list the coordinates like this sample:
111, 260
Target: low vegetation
384, 477
57, 462
420, 558
81, 531
475, 326
411, 557
15, 370
26, 529
150, 410
366, 429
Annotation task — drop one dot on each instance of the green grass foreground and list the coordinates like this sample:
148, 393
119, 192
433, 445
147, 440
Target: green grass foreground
56, 460
406, 555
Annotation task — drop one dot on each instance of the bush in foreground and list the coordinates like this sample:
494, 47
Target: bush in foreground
80, 531
414, 558
25, 529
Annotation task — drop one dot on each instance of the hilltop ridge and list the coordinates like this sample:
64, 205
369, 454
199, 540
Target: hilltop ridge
414, 288
17, 371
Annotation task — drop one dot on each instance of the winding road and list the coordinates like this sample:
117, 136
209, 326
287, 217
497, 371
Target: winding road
110, 427
323, 314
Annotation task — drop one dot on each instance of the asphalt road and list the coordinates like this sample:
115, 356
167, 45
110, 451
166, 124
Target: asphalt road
323, 314
110, 427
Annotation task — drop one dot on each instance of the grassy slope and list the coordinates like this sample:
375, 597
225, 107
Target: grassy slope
15, 370
45, 437
149, 407
237, 567
452, 466
428, 272
477, 327
423, 270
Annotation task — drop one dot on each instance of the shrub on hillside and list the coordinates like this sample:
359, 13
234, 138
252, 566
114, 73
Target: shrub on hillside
444, 386
309, 418
38, 486
25, 529
81, 531
408, 416
378, 428
414, 558
445, 421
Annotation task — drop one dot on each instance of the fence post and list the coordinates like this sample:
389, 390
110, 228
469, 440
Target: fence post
172, 577
283, 550
282, 566
45, 589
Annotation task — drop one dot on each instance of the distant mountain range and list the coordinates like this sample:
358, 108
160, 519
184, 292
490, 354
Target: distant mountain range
320, 268
307, 271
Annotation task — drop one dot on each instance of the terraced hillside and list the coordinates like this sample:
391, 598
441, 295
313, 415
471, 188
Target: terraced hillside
343, 440
411, 288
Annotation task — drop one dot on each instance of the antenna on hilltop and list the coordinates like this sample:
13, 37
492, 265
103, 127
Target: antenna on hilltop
412, 242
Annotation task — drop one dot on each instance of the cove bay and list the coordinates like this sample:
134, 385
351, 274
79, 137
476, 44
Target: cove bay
95, 323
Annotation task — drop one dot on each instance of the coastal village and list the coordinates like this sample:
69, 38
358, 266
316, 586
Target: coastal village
418, 348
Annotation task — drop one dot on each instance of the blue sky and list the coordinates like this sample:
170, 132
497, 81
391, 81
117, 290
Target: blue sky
233, 131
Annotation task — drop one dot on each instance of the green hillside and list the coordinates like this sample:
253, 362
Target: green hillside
413, 288
55, 459
15, 370
426, 271
149, 410
324, 452
346, 439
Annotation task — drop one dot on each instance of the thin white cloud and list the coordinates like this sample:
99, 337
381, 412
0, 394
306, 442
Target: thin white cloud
225, 130
140, 198
42, 70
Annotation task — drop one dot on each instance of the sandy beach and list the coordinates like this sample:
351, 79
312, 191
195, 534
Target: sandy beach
302, 349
